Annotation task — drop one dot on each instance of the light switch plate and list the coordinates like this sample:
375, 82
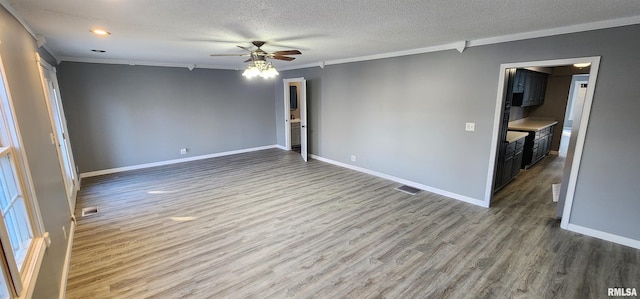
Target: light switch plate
470, 127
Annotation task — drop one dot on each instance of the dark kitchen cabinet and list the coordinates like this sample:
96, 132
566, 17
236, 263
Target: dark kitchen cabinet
537, 146
519, 82
509, 165
502, 145
528, 88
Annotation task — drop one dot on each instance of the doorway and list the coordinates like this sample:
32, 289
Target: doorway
295, 116
577, 92
59, 136
580, 112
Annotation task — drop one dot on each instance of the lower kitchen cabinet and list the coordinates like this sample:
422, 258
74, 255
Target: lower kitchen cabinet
537, 146
509, 162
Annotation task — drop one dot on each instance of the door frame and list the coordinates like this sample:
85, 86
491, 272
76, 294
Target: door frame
303, 115
75, 183
576, 143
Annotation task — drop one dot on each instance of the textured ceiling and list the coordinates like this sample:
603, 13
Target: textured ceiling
187, 31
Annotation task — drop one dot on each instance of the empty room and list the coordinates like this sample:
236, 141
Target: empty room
310, 149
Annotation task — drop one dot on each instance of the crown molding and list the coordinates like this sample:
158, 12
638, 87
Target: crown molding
14, 12
556, 31
26, 26
146, 63
303, 66
485, 41
437, 48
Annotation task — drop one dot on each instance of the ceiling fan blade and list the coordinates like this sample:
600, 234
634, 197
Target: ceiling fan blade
244, 54
249, 60
285, 58
287, 52
244, 48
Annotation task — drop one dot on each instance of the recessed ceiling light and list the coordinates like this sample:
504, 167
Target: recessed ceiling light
98, 50
101, 32
581, 65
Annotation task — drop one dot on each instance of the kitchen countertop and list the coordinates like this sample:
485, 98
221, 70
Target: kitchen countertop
297, 120
531, 124
513, 136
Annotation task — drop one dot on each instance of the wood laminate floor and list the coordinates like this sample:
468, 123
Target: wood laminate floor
267, 225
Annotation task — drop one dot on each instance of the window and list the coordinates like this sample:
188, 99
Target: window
12, 208
21, 242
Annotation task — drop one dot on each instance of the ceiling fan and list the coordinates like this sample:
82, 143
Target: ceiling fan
258, 65
259, 54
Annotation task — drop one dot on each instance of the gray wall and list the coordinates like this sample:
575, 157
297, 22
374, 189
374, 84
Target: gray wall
405, 117
18, 50
402, 121
121, 115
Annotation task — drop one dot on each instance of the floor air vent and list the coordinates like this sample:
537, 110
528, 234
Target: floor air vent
408, 190
89, 211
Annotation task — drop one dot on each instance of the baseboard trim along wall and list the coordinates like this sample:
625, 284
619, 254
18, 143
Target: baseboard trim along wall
604, 236
405, 182
67, 261
167, 162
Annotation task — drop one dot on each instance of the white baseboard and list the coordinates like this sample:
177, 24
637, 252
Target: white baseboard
604, 236
405, 182
282, 147
67, 262
167, 162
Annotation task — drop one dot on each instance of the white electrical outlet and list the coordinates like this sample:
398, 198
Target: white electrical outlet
470, 127
353, 158
183, 151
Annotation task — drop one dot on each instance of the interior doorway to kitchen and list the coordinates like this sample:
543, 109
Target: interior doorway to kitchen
580, 113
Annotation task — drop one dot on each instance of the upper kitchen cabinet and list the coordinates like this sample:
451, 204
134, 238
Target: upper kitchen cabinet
528, 88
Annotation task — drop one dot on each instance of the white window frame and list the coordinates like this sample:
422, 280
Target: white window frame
20, 280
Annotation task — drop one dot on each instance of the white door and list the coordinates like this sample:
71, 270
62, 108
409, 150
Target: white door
303, 120
60, 137
303, 115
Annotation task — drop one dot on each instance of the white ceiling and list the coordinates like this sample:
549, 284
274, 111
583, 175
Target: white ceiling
185, 32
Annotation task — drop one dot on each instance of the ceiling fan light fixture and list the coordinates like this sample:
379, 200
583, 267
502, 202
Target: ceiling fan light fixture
269, 72
251, 71
260, 68
258, 65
